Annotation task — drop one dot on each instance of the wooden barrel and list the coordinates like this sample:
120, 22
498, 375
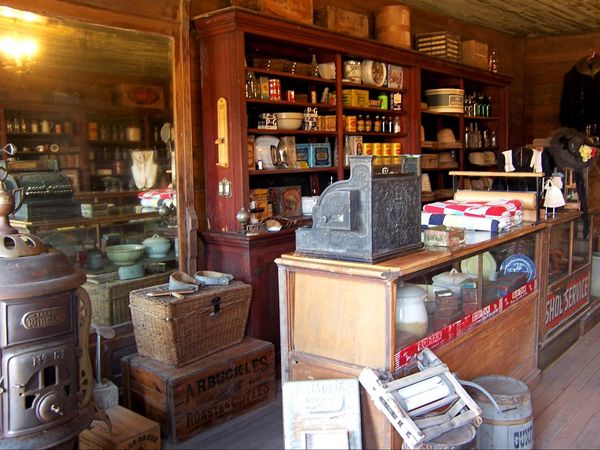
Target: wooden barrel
513, 427
392, 25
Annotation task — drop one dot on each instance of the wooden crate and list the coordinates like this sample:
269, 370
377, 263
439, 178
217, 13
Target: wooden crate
298, 11
129, 431
191, 399
473, 53
343, 21
110, 300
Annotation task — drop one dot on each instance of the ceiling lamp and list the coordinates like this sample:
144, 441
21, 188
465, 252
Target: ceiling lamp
18, 53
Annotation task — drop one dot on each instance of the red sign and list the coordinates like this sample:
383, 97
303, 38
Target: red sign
566, 299
463, 325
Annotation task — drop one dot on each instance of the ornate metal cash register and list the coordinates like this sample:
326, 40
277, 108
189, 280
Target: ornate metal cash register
45, 193
374, 215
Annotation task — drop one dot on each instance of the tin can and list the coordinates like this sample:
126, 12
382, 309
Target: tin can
396, 148
377, 149
387, 149
367, 148
274, 89
351, 124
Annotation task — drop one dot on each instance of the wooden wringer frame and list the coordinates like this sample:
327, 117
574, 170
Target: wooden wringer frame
424, 405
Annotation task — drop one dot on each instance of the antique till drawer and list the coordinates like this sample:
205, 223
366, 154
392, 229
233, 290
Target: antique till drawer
32, 319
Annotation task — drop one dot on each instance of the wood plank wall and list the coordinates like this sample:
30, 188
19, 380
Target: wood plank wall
547, 60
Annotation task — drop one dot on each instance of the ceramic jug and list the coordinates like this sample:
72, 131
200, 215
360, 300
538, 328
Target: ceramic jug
46, 126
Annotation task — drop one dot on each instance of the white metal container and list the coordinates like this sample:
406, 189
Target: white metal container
411, 314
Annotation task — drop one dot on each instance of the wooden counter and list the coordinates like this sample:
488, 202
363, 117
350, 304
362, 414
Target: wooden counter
338, 317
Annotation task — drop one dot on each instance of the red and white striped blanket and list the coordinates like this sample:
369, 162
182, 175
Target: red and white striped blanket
493, 209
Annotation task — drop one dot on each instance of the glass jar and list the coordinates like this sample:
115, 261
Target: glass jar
411, 314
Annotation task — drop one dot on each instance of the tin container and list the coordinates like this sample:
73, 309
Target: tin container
387, 149
396, 148
351, 124
377, 149
445, 100
367, 148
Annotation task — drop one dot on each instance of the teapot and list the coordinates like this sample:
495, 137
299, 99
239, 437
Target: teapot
46, 126
156, 246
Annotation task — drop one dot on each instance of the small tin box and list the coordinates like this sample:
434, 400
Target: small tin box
444, 236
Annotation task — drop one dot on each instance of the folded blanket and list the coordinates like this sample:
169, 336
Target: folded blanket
158, 197
467, 222
494, 209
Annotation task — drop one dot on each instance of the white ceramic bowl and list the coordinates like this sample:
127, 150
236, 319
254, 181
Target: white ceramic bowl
327, 70
124, 254
289, 120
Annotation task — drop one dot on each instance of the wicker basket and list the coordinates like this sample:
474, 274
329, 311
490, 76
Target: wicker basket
177, 332
110, 300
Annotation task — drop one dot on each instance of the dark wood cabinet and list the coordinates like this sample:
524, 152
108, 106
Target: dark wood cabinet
237, 48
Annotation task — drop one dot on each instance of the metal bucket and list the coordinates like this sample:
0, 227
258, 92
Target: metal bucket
513, 427
461, 438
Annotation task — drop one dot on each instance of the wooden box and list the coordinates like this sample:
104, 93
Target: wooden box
129, 431
191, 399
473, 53
179, 331
343, 21
110, 300
298, 11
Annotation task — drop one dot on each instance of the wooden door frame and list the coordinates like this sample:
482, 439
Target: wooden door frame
171, 19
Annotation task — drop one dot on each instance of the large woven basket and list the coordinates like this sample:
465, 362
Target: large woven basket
110, 300
179, 331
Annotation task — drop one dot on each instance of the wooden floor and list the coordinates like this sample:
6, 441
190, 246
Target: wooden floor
566, 406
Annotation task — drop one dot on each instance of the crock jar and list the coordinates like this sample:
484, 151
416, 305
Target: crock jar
411, 315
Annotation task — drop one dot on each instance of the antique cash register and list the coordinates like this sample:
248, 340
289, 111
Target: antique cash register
374, 215
45, 193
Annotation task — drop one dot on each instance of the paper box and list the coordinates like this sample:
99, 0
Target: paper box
343, 21
473, 53
298, 11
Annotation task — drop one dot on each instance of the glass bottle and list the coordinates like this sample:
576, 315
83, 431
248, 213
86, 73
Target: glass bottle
397, 128
487, 105
368, 124
16, 125
377, 125
252, 87
9, 126
360, 123
493, 61
314, 66
121, 133
391, 124
23, 125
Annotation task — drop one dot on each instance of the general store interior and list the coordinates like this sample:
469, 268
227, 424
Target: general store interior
110, 82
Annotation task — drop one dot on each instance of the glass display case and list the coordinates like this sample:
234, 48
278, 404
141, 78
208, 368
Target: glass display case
566, 292
466, 292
